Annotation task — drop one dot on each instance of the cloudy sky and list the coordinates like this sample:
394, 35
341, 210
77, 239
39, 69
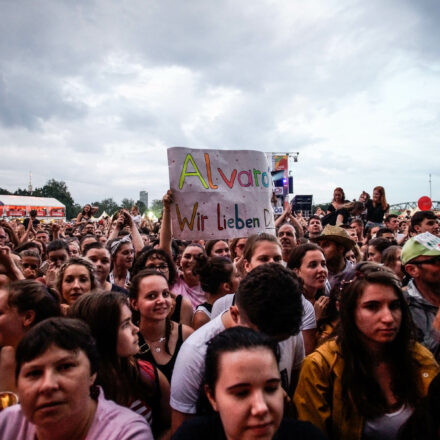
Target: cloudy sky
92, 92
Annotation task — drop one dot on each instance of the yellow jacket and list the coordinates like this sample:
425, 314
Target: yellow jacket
318, 395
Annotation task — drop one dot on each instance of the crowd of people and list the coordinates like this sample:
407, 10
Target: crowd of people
113, 329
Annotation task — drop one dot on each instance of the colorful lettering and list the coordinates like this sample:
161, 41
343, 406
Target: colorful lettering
208, 170
185, 173
185, 220
249, 176
230, 183
256, 172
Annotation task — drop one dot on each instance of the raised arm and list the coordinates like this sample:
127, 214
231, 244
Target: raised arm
117, 226
136, 238
166, 231
25, 237
287, 211
296, 223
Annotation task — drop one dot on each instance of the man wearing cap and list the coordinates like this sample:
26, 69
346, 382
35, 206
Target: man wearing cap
421, 261
335, 242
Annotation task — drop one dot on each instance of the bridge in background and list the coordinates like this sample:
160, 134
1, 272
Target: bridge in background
411, 205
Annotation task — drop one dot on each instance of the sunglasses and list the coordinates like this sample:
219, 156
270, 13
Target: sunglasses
364, 270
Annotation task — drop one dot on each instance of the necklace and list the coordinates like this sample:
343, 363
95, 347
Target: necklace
144, 348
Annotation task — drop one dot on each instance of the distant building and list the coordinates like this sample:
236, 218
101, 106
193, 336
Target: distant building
143, 197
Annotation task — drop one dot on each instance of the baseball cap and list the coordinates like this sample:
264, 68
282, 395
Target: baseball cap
425, 244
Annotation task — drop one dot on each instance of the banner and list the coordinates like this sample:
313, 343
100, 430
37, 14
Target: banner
219, 193
280, 162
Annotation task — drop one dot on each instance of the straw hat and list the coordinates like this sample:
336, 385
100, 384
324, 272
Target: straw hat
336, 234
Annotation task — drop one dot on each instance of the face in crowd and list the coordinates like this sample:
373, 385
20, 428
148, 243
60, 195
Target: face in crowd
287, 237
248, 395
264, 252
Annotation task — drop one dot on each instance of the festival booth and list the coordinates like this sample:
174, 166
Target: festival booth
20, 206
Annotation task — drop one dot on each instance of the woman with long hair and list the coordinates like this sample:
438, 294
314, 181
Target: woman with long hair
391, 259
365, 383
187, 282
75, 278
337, 201
157, 259
86, 214
308, 262
130, 383
122, 253
377, 207
160, 338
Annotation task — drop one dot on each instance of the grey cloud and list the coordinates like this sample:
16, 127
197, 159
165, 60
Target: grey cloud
309, 65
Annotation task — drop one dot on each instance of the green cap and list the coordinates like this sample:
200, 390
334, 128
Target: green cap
422, 244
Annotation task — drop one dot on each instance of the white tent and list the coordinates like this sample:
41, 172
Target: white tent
20, 206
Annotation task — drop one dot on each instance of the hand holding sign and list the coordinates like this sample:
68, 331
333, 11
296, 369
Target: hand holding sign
219, 193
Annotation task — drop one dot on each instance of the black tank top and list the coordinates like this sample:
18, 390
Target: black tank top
167, 369
176, 314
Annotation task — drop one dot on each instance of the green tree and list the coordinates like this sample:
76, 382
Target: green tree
127, 203
24, 192
141, 206
58, 190
5, 192
107, 205
156, 208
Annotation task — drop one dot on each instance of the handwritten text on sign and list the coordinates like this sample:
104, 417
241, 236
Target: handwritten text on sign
219, 193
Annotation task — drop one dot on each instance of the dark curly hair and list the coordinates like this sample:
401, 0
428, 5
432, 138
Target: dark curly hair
269, 297
213, 272
141, 261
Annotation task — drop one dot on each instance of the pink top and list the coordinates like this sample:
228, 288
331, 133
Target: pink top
111, 422
195, 294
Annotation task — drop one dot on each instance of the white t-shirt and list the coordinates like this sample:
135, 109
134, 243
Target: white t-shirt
190, 364
308, 320
387, 426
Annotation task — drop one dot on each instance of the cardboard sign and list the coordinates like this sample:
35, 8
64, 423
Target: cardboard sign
219, 193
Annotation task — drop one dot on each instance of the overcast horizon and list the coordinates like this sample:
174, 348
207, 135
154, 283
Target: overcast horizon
93, 92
